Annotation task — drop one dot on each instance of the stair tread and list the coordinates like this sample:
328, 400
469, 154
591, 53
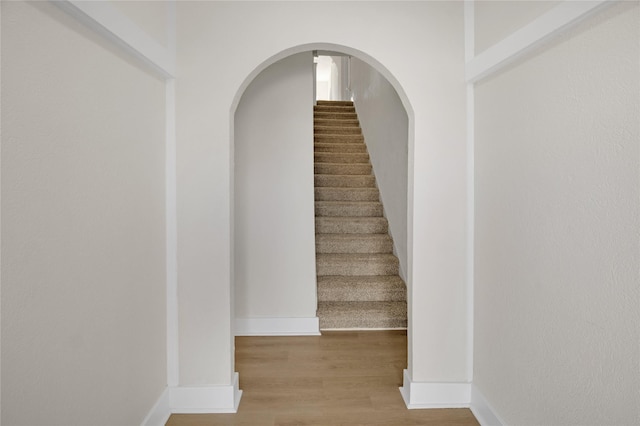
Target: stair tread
346, 194
353, 237
397, 307
340, 155
355, 128
344, 181
330, 138
346, 189
363, 261
342, 108
348, 208
337, 130
331, 154
340, 176
335, 115
326, 163
392, 280
353, 243
340, 144
319, 147
355, 169
358, 257
349, 202
355, 219
361, 291
368, 314
337, 122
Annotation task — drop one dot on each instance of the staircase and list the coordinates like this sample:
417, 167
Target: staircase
358, 282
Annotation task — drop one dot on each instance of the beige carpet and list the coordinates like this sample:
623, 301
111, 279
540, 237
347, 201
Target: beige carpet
358, 282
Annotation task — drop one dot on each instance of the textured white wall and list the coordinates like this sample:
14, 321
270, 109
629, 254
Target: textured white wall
434, 89
384, 123
151, 16
495, 20
83, 226
557, 309
275, 267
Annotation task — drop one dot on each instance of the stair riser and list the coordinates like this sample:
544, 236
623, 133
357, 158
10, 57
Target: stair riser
346, 209
362, 315
330, 225
337, 108
335, 122
341, 169
338, 103
363, 288
347, 194
341, 139
340, 148
351, 267
372, 294
333, 130
344, 181
354, 246
340, 115
351, 323
333, 157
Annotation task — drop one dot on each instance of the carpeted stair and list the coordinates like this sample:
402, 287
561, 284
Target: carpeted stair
358, 282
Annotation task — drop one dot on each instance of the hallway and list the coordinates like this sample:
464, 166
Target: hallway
339, 378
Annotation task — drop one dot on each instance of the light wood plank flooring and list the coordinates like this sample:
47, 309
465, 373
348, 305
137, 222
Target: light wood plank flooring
339, 378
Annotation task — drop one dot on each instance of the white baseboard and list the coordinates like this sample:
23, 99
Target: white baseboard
480, 408
206, 399
434, 395
160, 412
277, 326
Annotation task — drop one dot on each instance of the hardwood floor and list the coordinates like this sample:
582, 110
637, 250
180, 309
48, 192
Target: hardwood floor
339, 378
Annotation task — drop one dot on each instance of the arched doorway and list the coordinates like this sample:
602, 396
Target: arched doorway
274, 172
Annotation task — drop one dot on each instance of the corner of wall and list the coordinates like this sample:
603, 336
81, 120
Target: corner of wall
481, 409
161, 410
194, 400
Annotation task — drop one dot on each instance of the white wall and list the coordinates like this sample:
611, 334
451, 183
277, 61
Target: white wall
83, 226
275, 269
151, 16
384, 124
323, 77
557, 250
332, 77
495, 20
338, 69
433, 89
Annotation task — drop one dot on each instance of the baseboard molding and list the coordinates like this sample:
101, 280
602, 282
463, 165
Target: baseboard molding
481, 409
418, 395
277, 326
206, 399
160, 412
